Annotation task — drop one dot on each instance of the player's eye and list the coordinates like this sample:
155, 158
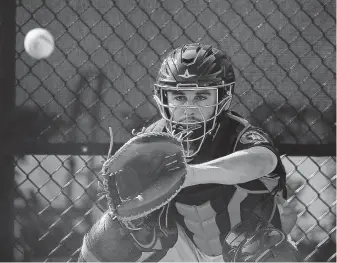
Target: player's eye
200, 98
180, 98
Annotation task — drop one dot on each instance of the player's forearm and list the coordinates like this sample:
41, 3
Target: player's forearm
238, 167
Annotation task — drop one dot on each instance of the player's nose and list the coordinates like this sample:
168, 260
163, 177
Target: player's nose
189, 111
189, 114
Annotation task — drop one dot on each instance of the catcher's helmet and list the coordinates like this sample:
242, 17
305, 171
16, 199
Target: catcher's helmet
195, 67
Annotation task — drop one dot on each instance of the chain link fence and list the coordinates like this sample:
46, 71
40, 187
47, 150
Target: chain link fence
102, 72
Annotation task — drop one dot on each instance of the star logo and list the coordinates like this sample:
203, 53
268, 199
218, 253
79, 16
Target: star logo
187, 75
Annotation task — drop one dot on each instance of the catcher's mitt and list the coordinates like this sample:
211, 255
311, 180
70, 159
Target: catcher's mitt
257, 240
144, 174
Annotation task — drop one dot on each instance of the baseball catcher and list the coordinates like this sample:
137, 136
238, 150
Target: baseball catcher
200, 184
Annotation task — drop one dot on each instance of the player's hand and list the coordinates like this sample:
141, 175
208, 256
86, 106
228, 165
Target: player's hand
143, 175
256, 240
189, 181
155, 232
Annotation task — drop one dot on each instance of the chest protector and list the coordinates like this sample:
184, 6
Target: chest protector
208, 212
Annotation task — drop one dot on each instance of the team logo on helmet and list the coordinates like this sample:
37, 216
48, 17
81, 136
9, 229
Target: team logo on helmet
187, 75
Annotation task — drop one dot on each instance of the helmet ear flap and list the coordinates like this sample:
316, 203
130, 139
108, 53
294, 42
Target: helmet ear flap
225, 96
161, 95
165, 102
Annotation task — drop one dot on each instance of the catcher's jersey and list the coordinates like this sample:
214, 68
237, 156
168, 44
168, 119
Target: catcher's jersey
208, 212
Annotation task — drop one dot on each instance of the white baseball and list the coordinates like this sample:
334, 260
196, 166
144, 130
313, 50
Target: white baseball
39, 43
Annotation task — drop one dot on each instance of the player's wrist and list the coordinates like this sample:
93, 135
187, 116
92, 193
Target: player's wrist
189, 176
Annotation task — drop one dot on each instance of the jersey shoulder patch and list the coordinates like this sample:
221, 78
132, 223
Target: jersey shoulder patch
253, 136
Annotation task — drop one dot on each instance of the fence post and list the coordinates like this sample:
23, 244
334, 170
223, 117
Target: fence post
7, 107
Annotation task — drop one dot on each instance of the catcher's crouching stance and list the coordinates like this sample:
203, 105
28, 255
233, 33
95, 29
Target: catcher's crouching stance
139, 182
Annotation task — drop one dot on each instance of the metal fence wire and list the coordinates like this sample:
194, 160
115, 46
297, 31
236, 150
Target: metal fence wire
102, 72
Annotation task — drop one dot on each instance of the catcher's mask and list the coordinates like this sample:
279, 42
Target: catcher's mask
194, 67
